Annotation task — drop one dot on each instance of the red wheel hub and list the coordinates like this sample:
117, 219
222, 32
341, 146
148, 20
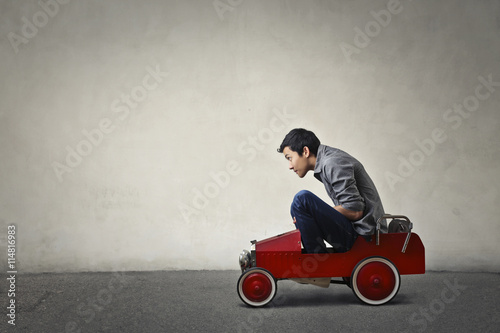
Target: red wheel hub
257, 287
376, 280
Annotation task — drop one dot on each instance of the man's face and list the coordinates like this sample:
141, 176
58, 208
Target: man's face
298, 164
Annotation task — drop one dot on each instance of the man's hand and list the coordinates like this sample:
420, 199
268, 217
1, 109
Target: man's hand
350, 214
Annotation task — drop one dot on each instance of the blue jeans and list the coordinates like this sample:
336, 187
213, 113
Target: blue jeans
318, 221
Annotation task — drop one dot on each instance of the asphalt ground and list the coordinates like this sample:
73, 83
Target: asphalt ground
207, 301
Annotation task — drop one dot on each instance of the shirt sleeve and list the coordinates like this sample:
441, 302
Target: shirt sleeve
340, 175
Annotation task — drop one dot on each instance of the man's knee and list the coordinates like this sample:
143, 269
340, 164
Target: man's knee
302, 195
300, 199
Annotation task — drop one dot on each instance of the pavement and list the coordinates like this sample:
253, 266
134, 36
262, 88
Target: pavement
207, 301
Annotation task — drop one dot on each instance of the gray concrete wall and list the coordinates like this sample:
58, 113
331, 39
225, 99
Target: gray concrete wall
142, 135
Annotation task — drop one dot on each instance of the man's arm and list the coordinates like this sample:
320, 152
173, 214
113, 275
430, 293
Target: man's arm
340, 172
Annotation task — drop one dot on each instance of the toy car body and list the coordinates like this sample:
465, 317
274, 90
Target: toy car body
372, 267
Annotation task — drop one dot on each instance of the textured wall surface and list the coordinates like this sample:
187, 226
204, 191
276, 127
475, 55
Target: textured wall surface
142, 135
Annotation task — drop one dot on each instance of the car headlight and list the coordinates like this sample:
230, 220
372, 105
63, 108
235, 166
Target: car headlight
245, 260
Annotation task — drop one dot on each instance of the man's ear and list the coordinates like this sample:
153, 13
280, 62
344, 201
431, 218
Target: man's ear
306, 152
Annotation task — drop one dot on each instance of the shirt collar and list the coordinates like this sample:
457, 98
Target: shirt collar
319, 155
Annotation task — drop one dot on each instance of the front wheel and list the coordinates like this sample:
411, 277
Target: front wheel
375, 280
257, 287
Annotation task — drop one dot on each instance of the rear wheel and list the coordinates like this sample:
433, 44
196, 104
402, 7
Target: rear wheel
375, 280
256, 287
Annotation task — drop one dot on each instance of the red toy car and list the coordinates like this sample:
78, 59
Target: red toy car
371, 268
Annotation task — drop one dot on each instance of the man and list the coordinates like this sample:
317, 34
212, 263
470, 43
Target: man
357, 203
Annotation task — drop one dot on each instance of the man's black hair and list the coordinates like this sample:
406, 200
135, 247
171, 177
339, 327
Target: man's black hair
299, 138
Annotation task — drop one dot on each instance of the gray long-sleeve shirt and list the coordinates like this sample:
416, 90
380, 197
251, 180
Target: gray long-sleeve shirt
349, 185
